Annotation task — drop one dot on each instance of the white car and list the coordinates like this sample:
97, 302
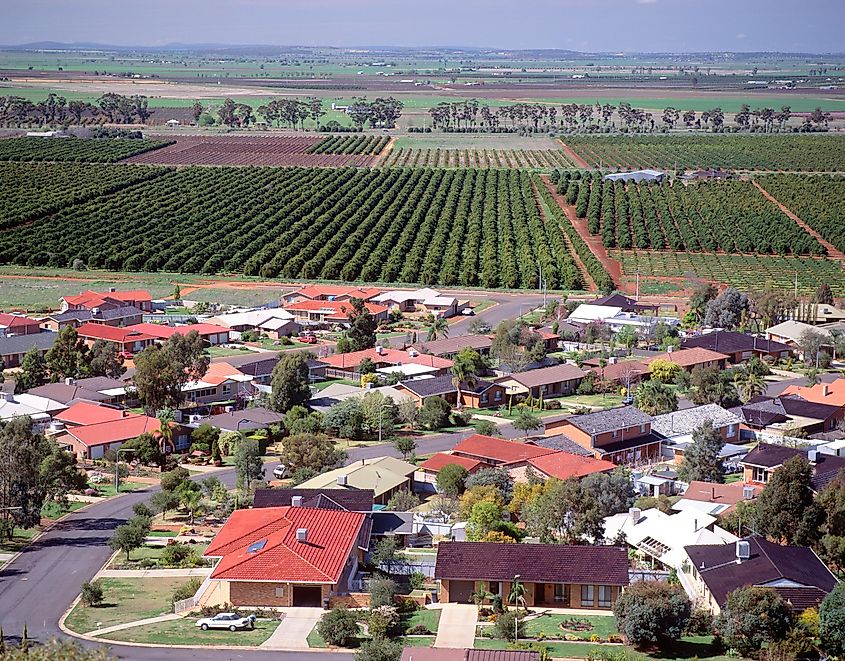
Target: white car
280, 471
230, 621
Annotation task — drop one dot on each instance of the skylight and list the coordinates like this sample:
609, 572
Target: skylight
255, 547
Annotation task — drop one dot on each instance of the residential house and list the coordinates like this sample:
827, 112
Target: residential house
739, 347
832, 394
623, 372
324, 399
320, 312
760, 464
689, 359
88, 300
714, 498
449, 347
617, 319
385, 476
422, 300
790, 333
68, 391
346, 365
625, 304
621, 435
562, 466
14, 348
83, 413
636, 176
16, 324
794, 572
477, 395
662, 536
120, 317
91, 441
258, 365
788, 415
546, 382
284, 556
436, 462
40, 409
347, 500
497, 452
273, 322
211, 333
330, 293
677, 429
221, 385
128, 341
588, 577
249, 419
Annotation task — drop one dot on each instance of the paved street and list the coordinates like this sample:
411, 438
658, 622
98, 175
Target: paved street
41, 583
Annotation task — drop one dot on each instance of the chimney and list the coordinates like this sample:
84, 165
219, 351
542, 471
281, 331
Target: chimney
342, 480
712, 493
296, 501
743, 551
112, 290
302, 535
69, 381
747, 493
635, 513
825, 390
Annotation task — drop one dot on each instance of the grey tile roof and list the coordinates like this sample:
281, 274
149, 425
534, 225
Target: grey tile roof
64, 393
23, 343
733, 342
256, 418
105, 314
687, 420
350, 500
441, 385
600, 422
396, 523
100, 383
562, 443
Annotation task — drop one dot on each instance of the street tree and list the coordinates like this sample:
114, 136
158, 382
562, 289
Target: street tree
787, 509
315, 452
290, 382
701, 458
248, 465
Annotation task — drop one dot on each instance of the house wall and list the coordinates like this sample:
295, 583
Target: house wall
539, 594
14, 359
215, 594
246, 593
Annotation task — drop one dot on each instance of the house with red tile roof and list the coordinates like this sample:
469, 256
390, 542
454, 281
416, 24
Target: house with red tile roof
91, 441
691, 358
345, 365
221, 384
88, 413
330, 293
127, 340
285, 556
17, 324
211, 333
497, 452
822, 393
564, 465
88, 300
315, 312
432, 466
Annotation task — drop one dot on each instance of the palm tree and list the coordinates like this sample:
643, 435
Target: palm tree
438, 328
749, 385
166, 420
517, 593
465, 368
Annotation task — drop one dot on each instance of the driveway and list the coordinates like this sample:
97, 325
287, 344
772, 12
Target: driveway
457, 626
292, 632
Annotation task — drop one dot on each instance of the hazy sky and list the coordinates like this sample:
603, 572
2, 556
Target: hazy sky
592, 25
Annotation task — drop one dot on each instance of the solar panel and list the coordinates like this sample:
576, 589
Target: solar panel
255, 547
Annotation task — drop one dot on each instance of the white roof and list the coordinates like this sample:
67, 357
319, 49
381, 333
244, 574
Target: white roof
685, 421
704, 506
26, 404
251, 317
587, 313
113, 392
408, 369
793, 330
426, 296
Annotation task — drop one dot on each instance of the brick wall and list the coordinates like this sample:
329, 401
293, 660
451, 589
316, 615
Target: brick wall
260, 594
353, 600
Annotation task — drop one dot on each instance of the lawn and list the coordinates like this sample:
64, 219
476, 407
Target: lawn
223, 352
125, 600
315, 639
549, 625
106, 489
730, 478
427, 617
20, 538
145, 553
53, 510
185, 632
321, 385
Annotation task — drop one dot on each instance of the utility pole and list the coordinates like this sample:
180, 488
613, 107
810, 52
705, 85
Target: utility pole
637, 298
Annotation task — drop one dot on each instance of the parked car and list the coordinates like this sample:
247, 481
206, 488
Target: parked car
230, 621
308, 339
280, 471
126, 355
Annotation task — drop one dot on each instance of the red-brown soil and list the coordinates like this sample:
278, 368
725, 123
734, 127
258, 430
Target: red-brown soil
572, 156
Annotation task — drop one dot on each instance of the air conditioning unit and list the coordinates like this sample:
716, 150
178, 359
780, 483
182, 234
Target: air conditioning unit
747, 493
296, 501
413, 353
743, 550
342, 480
302, 534
812, 456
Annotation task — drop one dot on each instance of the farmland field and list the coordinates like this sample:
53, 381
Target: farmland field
281, 151
74, 149
463, 227
350, 144
817, 200
815, 153
536, 159
31, 190
729, 216
746, 272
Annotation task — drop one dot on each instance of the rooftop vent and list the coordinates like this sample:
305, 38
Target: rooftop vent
413, 353
69, 381
296, 501
302, 534
747, 493
743, 550
635, 513
379, 349
342, 480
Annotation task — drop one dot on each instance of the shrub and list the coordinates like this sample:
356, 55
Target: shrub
417, 580
186, 590
752, 617
504, 626
379, 650
338, 627
382, 592
700, 623
91, 594
179, 555
832, 621
382, 622
650, 613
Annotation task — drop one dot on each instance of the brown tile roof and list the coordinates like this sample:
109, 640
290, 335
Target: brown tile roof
542, 563
620, 370
689, 357
770, 455
546, 375
350, 500
722, 494
717, 566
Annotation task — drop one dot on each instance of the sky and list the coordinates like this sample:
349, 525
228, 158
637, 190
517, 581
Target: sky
585, 25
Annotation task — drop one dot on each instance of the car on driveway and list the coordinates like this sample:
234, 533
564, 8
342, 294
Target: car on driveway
230, 621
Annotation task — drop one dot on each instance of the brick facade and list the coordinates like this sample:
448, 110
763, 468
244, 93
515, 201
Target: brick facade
537, 594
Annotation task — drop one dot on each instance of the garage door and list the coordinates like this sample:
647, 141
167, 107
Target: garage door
461, 591
307, 595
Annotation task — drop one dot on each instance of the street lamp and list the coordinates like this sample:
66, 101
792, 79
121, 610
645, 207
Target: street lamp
117, 468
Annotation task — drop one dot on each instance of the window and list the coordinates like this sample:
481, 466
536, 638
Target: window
605, 596
642, 428
614, 433
760, 474
280, 592
731, 431
498, 395
495, 587
587, 596
227, 388
544, 389
484, 398
560, 593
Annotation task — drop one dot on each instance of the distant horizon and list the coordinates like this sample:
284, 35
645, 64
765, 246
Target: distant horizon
46, 44
592, 26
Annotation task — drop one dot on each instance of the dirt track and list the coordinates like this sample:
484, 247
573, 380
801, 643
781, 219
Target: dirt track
572, 156
594, 242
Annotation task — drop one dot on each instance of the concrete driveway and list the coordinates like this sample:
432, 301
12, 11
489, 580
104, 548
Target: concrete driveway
457, 626
292, 632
